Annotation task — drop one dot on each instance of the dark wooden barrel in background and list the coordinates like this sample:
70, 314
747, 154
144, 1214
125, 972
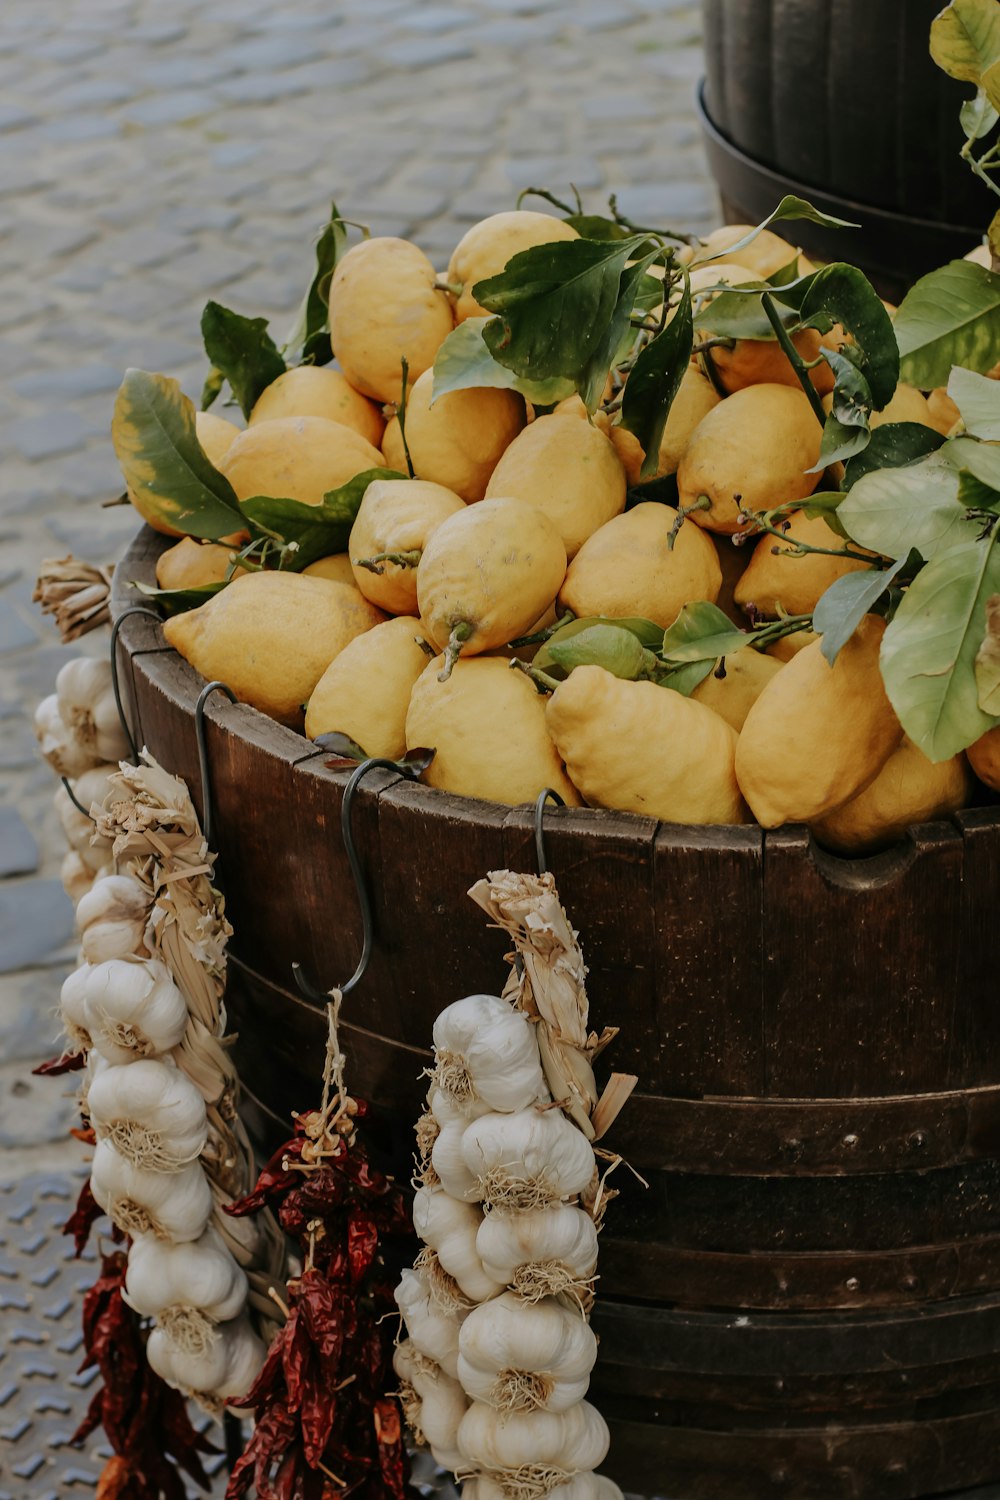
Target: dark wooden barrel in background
840, 102
805, 1300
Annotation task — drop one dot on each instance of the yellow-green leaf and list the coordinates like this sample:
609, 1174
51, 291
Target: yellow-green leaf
965, 39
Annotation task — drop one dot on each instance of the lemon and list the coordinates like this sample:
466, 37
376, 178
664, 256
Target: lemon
695, 399
745, 675
764, 255
189, 564
487, 725
487, 247
751, 452
788, 646
762, 361
777, 582
908, 789
567, 468
628, 568
458, 440
817, 735
641, 748
271, 636
397, 516
365, 691
942, 413
336, 567
297, 458
216, 436
984, 758
907, 404
384, 306
319, 391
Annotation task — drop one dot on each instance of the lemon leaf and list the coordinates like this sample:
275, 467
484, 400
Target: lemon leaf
701, 632
309, 336
892, 510
178, 601
242, 350
949, 317
840, 610
840, 293
609, 646
314, 531
464, 362
156, 443
965, 38
891, 446
790, 207
655, 380
929, 649
978, 400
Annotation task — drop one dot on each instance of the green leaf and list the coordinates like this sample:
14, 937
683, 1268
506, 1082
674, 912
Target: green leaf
316, 530
662, 491
949, 317
596, 227
841, 609
214, 381
892, 510
842, 294
562, 308
988, 661
982, 461
701, 632
309, 335
978, 400
154, 437
648, 634
929, 649
178, 601
655, 380
243, 350
463, 361
978, 116
891, 446
790, 207
845, 432
739, 315
965, 38
612, 647
840, 442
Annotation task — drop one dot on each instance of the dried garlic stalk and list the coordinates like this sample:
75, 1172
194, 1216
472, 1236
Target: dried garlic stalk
77, 593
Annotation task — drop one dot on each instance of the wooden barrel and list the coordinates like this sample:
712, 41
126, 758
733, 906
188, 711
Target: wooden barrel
804, 1298
840, 102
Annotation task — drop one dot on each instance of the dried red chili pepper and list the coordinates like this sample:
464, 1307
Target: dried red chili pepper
82, 1219
67, 1062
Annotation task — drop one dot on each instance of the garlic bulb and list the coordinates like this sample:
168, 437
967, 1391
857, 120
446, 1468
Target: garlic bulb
171, 1205
487, 1050
66, 754
186, 1287
228, 1367
450, 1228
542, 1253
433, 1404
73, 1008
433, 1332
526, 1160
133, 1009
581, 1487
151, 1113
79, 829
112, 918
448, 1162
445, 1110
543, 1445
87, 706
77, 877
522, 1356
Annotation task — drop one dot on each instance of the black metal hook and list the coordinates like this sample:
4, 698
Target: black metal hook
309, 991
133, 609
199, 734
74, 798
546, 795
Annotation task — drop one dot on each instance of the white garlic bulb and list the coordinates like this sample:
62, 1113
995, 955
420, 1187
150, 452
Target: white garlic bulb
445, 1111
193, 1276
527, 1160
87, 706
433, 1404
449, 1228
448, 1161
173, 1206
434, 1333
112, 918
506, 1442
64, 752
541, 1253
133, 1009
77, 877
73, 1008
587, 1486
226, 1368
151, 1112
81, 835
523, 1356
486, 1050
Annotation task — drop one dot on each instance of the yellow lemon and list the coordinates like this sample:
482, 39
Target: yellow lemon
942, 413
984, 758
297, 458
817, 734
764, 255
216, 437
396, 516
271, 636
384, 306
365, 691
319, 391
777, 581
628, 568
906, 404
640, 748
695, 399
487, 724
750, 452
908, 789
488, 573
459, 439
337, 568
568, 469
487, 247
763, 361
790, 645
190, 563
745, 675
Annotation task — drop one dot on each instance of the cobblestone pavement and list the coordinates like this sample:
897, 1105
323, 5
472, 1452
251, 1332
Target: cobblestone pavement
152, 156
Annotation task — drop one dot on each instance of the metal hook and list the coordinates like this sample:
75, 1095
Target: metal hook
364, 901
199, 734
74, 798
133, 609
547, 795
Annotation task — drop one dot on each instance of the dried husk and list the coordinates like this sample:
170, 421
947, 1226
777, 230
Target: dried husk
76, 593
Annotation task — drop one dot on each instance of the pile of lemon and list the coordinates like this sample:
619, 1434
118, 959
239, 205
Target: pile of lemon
514, 518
